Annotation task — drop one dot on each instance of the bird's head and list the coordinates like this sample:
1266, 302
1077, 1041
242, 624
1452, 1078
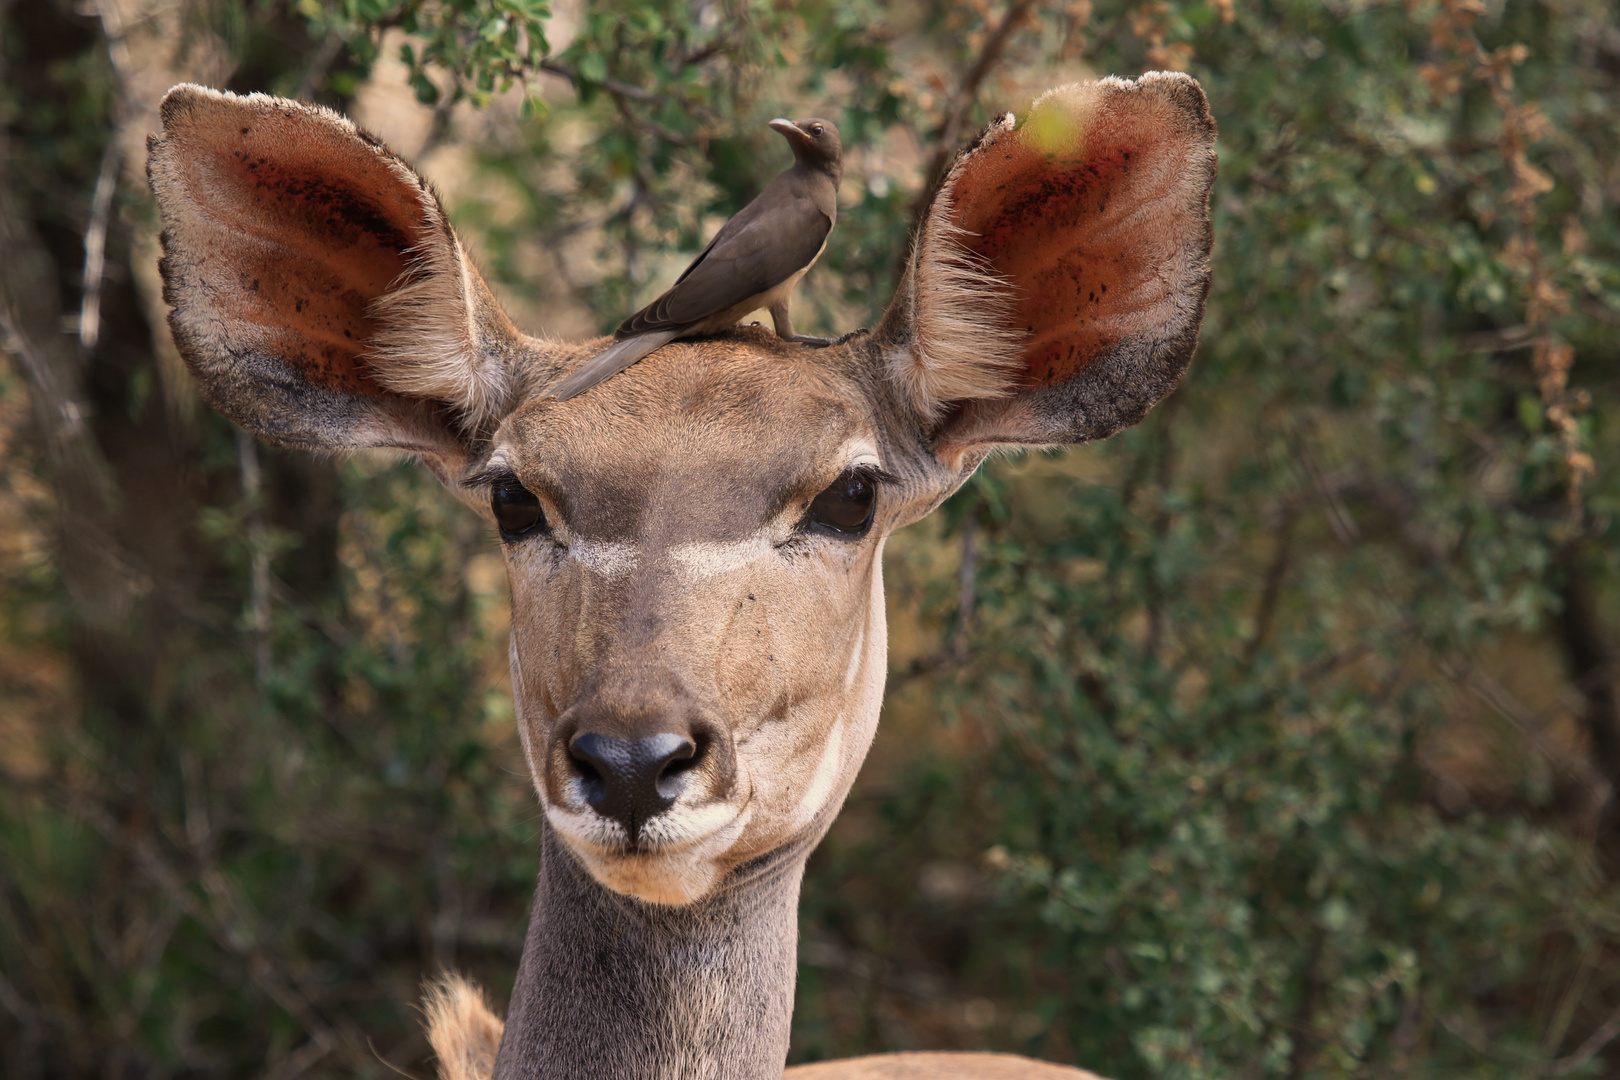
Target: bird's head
814, 141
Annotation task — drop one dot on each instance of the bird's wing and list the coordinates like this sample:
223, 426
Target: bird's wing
769, 241
609, 362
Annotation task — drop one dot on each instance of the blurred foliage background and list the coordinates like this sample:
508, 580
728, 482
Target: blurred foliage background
1278, 737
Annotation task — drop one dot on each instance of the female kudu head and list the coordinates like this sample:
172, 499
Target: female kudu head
698, 644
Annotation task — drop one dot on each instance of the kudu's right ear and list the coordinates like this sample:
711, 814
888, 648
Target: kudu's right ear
1057, 281
319, 294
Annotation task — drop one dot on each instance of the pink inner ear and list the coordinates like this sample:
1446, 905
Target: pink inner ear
313, 239
1090, 237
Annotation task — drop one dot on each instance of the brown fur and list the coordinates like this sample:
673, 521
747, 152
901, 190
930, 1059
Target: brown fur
464, 1033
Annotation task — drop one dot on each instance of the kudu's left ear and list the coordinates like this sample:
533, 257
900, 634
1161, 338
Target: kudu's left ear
1057, 281
319, 294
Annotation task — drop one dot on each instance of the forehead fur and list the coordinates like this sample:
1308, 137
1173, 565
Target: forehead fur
777, 412
771, 391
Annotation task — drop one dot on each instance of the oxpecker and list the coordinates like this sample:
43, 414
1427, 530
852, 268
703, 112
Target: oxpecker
753, 262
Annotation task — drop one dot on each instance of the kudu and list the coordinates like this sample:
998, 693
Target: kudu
694, 547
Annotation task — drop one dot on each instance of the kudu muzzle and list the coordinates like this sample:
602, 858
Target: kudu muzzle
636, 743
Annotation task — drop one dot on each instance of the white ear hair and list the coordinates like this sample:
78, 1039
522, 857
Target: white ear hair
428, 342
962, 346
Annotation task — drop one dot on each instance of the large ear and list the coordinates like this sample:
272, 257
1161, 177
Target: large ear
1057, 280
318, 292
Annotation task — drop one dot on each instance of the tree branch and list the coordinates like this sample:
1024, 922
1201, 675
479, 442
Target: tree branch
1593, 670
1605, 1034
611, 85
967, 94
1271, 592
95, 248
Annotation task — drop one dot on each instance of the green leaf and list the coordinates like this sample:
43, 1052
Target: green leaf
1531, 413
426, 92
593, 67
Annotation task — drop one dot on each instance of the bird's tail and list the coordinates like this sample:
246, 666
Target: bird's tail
609, 362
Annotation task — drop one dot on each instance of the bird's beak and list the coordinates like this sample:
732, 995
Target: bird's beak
787, 127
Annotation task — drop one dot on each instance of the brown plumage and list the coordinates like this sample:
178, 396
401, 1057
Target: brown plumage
753, 262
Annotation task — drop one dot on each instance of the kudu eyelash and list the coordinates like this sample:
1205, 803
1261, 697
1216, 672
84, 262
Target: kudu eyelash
490, 477
875, 474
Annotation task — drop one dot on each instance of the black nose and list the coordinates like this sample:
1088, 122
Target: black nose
632, 780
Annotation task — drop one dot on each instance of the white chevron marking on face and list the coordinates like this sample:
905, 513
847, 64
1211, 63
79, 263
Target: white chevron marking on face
821, 784
855, 657
709, 559
604, 558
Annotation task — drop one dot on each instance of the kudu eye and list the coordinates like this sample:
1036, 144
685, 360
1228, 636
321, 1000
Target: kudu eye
845, 508
516, 510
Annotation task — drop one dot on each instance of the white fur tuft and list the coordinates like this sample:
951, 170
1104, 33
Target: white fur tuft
427, 343
963, 345
464, 1033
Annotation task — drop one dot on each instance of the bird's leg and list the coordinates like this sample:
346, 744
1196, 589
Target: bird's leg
783, 321
784, 328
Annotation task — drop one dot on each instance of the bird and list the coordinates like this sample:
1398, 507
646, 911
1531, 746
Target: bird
753, 262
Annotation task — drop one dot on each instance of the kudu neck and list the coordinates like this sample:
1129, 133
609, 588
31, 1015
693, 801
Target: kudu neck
615, 988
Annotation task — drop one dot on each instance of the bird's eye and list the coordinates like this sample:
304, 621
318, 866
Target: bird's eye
816, 130
846, 507
516, 510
